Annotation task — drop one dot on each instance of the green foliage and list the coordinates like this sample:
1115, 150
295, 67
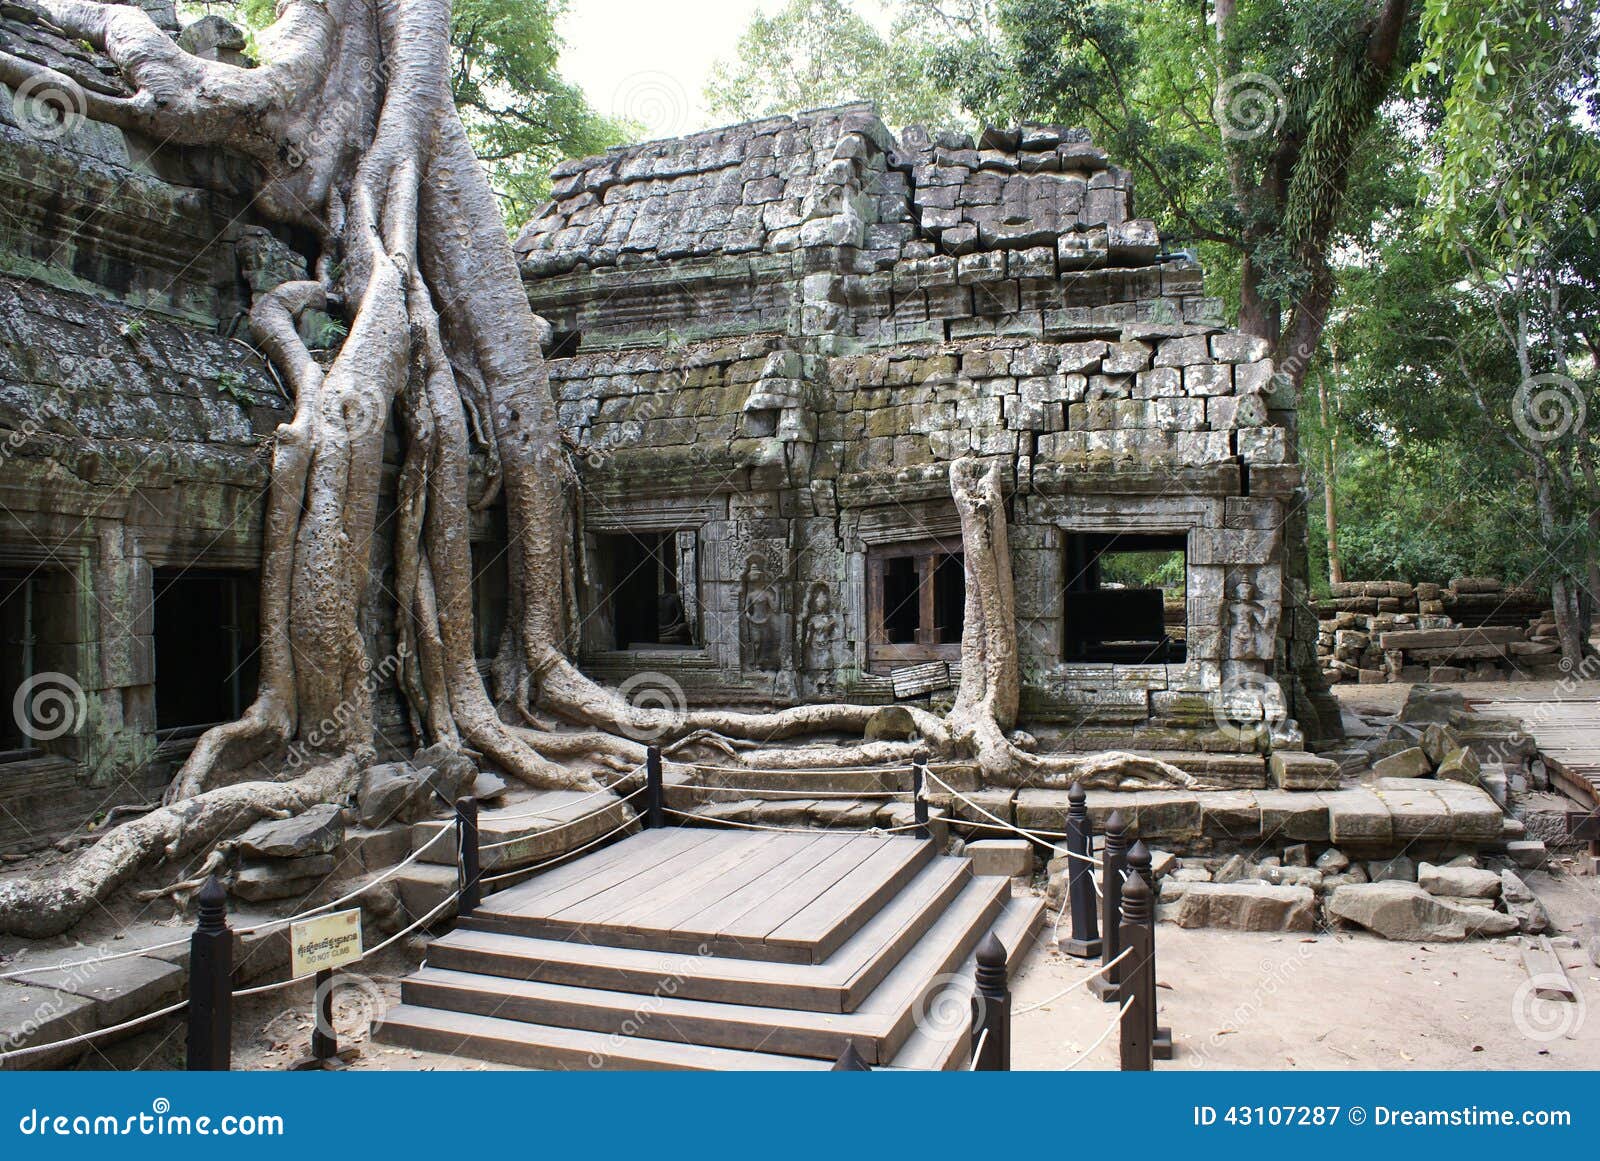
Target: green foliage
815, 53
330, 333
1516, 79
1160, 570
522, 116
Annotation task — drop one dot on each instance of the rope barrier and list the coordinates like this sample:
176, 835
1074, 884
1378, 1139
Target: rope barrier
755, 791
87, 1037
585, 798
554, 829
253, 929
1102, 969
1115, 1021
977, 1050
385, 945
557, 859
1043, 838
787, 829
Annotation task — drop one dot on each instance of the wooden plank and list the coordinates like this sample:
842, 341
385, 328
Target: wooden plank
583, 878
536, 1046
671, 913
755, 923
718, 861
1546, 971
884, 870
714, 916
644, 876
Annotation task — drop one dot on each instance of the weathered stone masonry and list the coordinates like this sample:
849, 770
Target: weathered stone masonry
778, 334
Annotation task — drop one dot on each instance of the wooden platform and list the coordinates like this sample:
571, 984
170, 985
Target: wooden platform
1566, 730
696, 947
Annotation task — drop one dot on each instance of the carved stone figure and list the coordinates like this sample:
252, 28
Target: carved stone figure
1250, 625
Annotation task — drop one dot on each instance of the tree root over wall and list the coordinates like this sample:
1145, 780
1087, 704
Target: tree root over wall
350, 123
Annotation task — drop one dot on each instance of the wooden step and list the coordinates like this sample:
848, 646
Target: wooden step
535, 829
877, 1028
940, 1045
563, 1049
794, 898
839, 984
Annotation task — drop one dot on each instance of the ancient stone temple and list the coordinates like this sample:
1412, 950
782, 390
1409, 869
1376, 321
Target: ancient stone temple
768, 342
771, 340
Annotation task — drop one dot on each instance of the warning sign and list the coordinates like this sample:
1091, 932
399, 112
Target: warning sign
328, 941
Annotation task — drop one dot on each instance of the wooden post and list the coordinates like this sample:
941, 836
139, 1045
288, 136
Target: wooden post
324, 1037
468, 856
1139, 864
1138, 981
919, 790
1113, 862
210, 1046
850, 1060
655, 807
1084, 942
991, 1009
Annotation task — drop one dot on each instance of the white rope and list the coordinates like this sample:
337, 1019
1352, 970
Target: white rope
755, 790
792, 829
35, 1049
593, 814
251, 930
496, 817
1116, 1021
528, 870
977, 1050
1103, 968
1043, 838
391, 941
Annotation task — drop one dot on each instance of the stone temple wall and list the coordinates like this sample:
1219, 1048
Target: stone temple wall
777, 336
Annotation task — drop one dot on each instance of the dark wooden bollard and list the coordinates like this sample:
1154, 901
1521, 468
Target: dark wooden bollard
1084, 942
1113, 861
919, 792
655, 806
850, 1060
991, 1009
468, 856
210, 1046
1139, 864
1138, 979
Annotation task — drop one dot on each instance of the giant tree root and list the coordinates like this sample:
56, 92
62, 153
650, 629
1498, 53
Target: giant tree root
39, 908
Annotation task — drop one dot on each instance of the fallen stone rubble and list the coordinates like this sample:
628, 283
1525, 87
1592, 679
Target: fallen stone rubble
1473, 629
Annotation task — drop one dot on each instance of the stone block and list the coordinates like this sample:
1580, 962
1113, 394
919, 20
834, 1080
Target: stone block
1404, 911
1411, 762
1248, 907
1297, 770
1461, 765
316, 831
1458, 882
1357, 817
998, 856
120, 989
32, 1016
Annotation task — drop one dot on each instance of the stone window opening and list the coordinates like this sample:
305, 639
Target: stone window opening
206, 644
1125, 598
916, 604
19, 610
38, 640
651, 589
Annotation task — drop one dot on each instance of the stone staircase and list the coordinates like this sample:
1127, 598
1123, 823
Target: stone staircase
705, 948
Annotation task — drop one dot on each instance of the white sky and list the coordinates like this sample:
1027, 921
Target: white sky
649, 62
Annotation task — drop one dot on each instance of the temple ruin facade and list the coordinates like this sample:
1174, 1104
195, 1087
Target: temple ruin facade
767, 344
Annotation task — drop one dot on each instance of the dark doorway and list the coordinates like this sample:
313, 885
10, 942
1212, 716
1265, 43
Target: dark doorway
19, 610
916, 604
206, 627
651, 594
490, 595
1125, 598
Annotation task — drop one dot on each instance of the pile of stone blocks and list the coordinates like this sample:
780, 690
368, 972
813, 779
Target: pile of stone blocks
1473, 629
